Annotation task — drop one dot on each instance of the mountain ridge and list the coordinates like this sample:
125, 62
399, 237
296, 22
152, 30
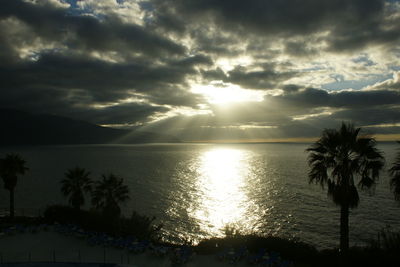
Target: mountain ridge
24, 128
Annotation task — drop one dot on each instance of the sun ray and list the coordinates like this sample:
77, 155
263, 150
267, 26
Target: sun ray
225, 93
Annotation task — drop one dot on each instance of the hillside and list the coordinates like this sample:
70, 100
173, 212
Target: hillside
23, 128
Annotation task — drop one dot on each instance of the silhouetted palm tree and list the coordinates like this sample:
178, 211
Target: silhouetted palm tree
336, 159
108, 194
395, 173
74, 186
10, 167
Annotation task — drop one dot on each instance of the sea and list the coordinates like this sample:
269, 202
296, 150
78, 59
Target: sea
198, 191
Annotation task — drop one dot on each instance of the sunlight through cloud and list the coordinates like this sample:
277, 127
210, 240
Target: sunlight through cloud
216, 93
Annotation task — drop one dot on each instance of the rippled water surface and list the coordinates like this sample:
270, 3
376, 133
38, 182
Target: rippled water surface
196, 190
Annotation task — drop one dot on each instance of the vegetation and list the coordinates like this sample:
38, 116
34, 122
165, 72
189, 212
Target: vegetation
395, 173
137, 225
387, 240
340, 159
108, 194
380, 252
287, 248
336, 159
75, 185
10, 167
141, 226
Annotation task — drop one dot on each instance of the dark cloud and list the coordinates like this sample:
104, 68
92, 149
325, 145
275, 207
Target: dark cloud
86, 32
348, 24
382, 28
68, 80
211, 40
299, 48
100, 67
168, 23
105, 81
370, 116
76, 104
308, 97
365, 98
57, 84
267, 78
130, 113
291, 88
312, 97
216, 74
7, 54
174, 96
275, 16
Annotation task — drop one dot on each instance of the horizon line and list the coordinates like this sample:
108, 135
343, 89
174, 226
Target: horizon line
378, 137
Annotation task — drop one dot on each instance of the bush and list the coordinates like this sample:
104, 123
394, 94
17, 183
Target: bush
137, 225
287, 248
140, 226
61, 214
387, 240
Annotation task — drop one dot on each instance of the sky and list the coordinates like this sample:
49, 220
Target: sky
206, 69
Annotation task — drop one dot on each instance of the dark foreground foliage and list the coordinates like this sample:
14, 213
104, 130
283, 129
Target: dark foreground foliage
288, 249
383, 251
302, 254
387, 240
137, 225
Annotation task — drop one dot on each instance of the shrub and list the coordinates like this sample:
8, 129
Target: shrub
387, 240
140, 226
137, 225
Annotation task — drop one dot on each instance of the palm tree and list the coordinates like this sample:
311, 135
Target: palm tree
10, 167
75, 184
108, 194
395, 173
336, 159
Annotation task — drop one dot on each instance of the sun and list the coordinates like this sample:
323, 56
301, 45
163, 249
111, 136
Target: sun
222, 93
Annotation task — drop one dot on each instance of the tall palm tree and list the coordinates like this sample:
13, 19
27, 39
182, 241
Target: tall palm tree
395, 173
10, 167
108, 194
336, 159
75, 184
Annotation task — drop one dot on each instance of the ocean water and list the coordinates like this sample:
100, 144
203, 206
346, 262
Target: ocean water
197, 190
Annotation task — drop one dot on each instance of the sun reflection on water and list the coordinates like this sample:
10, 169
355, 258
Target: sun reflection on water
221, 184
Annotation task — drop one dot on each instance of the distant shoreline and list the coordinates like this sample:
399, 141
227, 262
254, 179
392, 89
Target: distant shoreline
214, 142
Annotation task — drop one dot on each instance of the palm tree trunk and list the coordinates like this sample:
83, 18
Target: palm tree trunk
12, 203
344, 228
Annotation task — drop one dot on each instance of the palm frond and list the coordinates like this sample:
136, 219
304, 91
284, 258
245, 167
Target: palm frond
75, 184
394, 172
10, 167
340, 156
109, 193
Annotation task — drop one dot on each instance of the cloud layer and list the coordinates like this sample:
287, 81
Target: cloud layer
137, 63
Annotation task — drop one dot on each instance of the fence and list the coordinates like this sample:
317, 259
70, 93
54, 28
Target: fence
36, 212
102, 255
29, 212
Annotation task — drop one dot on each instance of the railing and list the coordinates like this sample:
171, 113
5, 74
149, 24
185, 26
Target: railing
67, 243
36, 212
50, 253
101, 255
29, 212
